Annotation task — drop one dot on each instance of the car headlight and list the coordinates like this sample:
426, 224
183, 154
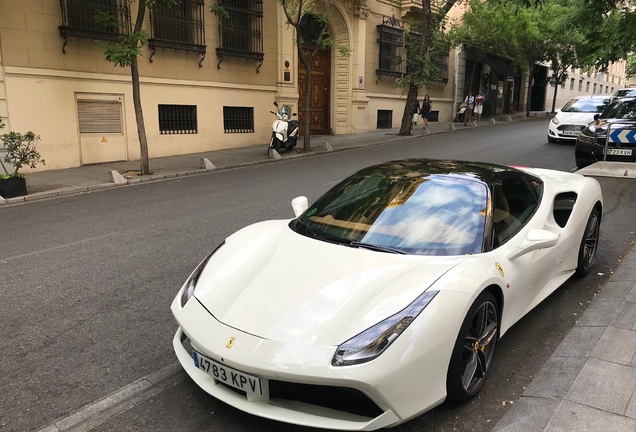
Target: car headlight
375, 340
191, 283
555, 120
586, 136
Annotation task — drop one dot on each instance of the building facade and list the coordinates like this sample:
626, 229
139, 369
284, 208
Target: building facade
206, 82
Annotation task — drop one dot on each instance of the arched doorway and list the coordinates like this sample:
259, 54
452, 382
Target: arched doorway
320, 69
320, 85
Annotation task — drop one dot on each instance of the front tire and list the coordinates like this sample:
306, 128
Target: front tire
552, 140
474, 349
589, 244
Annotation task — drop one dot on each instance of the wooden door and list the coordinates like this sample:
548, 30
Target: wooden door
320, 85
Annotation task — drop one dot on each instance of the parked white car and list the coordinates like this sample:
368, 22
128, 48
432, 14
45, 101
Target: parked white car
385, 296
575, 116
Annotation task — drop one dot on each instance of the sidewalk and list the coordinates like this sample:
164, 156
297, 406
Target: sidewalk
589, 383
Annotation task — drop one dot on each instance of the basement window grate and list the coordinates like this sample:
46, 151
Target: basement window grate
238, 119
177, 119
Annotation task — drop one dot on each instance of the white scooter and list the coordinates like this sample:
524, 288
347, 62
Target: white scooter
284, 130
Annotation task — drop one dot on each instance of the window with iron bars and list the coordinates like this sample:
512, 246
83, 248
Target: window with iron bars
391, 41
94, 19
442, 67
238, 119
177, 119
241, 33
178, 26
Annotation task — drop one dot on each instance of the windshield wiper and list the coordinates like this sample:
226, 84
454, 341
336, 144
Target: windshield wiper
357, 244
306, 228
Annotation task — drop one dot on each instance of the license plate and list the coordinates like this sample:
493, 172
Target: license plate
619, 152
251, 385
570, 133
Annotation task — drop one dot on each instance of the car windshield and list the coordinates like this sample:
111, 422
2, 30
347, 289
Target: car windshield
586, 105
622, 109
417, 214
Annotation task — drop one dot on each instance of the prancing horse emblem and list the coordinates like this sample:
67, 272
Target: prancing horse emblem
230, 343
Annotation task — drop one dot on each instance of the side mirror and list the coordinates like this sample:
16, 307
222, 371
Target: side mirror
535, 239
299, 204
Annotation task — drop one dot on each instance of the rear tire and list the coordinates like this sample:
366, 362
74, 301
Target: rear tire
589, 244
474, 349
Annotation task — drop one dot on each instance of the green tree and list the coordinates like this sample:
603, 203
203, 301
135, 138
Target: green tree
631, 65
564, 39
490, 27
125, 53
420, 73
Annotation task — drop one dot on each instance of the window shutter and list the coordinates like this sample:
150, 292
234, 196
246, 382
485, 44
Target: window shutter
99, 116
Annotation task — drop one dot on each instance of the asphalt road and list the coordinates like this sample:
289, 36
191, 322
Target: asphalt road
86, 283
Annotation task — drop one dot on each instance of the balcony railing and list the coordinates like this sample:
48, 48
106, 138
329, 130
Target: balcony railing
241, 34
94, 19
179, 27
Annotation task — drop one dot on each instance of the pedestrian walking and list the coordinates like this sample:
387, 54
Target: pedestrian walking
426, 110
479, 104
416, 114
470, 106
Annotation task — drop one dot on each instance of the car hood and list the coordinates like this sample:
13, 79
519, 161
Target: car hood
271, 282
575, 118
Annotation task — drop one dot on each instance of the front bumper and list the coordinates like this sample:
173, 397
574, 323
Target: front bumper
587, 152
406, 380
565, 132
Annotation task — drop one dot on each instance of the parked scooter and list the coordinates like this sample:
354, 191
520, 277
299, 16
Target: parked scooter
284, 129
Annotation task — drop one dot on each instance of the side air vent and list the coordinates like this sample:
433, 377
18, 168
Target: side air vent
563, 205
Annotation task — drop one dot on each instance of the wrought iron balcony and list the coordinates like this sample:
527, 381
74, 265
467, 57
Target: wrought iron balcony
94, 19
179, 27
241, 34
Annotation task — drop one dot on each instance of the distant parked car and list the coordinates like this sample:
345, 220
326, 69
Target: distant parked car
590, 144
575, 116
623, 93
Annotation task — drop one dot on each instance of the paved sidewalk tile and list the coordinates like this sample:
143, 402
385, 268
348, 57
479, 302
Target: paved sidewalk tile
604, 385
571, 416
615, 291
555, 377
528, 415
579, 342
599, 314
626, 316
625, 272
617, 345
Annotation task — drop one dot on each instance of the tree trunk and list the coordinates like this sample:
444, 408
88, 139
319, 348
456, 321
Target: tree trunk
529, 97
409, 108
139, 115
469, 111
503, 98
556, 88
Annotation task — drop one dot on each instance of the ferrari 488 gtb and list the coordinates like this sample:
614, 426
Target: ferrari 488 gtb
385, 296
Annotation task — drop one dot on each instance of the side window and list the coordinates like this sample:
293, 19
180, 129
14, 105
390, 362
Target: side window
515, 200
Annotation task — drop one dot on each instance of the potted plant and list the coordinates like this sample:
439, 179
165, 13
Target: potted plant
21, 152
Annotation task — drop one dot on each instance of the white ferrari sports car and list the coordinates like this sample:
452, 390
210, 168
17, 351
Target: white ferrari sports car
385, 296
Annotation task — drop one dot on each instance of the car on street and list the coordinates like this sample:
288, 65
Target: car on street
575, 115
385, 296
620, 118
623, 93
